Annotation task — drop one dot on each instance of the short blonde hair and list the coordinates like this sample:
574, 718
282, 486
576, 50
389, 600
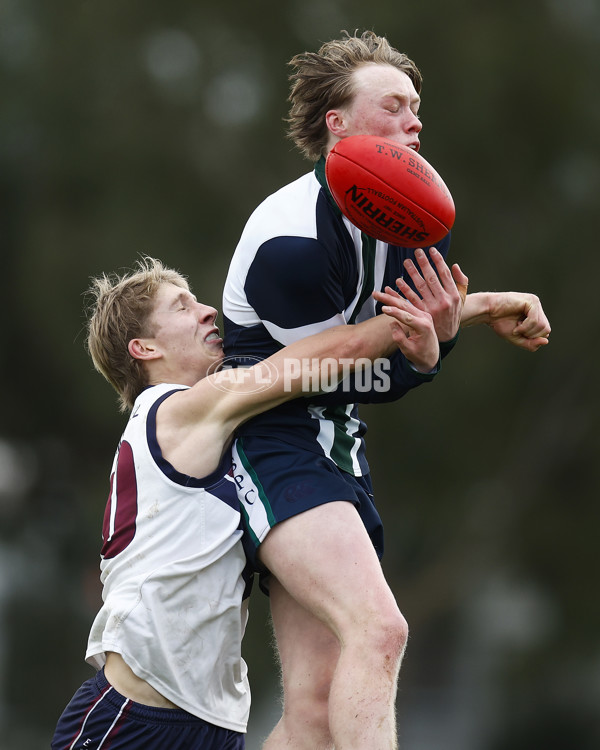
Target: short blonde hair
323, 80
119, 309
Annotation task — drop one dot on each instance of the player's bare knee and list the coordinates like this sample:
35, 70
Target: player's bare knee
389, 635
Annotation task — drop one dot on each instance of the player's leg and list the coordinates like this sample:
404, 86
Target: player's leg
308, 653
326, 562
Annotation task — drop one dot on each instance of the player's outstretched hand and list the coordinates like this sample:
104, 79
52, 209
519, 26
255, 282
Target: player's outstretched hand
441, 294
413, 330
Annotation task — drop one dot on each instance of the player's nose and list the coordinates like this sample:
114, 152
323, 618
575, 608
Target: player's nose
414, 125
206, 313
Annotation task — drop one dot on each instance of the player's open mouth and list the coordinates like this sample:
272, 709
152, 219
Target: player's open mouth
212, 336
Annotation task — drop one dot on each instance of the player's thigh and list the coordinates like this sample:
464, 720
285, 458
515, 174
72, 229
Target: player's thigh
325, 560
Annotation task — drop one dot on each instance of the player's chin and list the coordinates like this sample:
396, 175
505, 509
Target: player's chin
214, 345
215, 354
213, 363
219, 354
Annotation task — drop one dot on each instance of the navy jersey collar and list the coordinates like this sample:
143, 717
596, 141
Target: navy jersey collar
320, 175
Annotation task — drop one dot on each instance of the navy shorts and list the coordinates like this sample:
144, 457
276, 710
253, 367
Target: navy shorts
277, 480
99, 718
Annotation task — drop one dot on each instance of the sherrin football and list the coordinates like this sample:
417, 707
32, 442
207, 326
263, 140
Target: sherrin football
389, 191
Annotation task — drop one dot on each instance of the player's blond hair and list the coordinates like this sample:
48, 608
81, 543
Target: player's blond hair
119, 310
323, 80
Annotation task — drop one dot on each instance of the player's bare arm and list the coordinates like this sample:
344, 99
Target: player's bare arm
232, 400
194, 426
517, 317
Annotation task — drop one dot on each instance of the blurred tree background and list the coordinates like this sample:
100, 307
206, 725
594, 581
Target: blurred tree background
145, 127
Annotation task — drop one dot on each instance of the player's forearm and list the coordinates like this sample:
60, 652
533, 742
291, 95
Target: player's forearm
368, 340
476, 309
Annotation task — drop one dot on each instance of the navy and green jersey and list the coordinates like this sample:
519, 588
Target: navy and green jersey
301, 267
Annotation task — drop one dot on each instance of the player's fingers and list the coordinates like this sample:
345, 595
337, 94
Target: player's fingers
542, 327
391, 298
438, 279
427, 269
452, 281
387, 296
531, 334
414, 319
408, 292
540, 342
444, 276
422, 286
461, 281
535, 324
395, 301
393, 292
458, 275
403, 317
532, 345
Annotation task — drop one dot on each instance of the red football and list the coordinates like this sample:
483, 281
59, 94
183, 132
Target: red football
389, 191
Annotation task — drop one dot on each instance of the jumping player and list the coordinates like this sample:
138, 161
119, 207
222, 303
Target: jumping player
301, 267
167, 642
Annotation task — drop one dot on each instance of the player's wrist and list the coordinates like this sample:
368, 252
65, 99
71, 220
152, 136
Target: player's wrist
425, 369
477, 309
426, 365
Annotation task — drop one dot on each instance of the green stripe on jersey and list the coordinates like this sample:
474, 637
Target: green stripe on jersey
368, 262
335, 436
248, 526
256, 481
344, 444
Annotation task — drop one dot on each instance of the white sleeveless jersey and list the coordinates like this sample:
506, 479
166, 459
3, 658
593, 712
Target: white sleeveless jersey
172, 574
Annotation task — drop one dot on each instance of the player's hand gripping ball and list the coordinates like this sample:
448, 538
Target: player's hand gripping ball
388, 191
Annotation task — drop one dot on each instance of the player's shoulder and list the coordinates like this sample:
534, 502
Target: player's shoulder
306, 185
153, 394
290, 210
146, 405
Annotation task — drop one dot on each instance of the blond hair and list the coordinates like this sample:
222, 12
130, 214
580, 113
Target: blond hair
119, 310
323, 80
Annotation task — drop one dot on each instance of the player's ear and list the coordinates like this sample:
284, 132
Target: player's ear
336, 122
143, 349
